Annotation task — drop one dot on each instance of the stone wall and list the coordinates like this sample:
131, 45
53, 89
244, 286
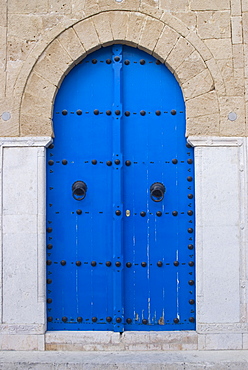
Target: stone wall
205, 43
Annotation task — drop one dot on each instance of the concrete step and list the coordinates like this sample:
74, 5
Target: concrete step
171, 360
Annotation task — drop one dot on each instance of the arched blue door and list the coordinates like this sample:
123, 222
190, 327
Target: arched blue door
120, 198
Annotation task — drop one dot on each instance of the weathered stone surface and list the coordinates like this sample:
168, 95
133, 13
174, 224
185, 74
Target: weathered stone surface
27, 7
238, 56
175, 5
119, 23
179, 53
134, 28
198, 85
199, 45
191, 66
236, 7
232, 104
48, 71
216, 75
202, 105
123, 5
220, 48
210, 5
175, 23
25, 27
87, 34
35, 126
226, 70
165, 43
58, 56
150, 34
223, 341
70, 41
206, 125
103, 29
39, 87
237, 32
212, 25
147, 9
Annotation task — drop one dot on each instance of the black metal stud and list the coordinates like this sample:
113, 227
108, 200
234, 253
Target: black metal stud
50, 162
144, 321
117, 161
176, 263
191, 263
127, 113
118, 212
158, 112
64, 161
64, 319
109, 163
118, 319
50, 319
142, 214
191, 301
96, 112
128, 264
190, 246
188, 145
159, 213
142, 61
79, 211
78, 263
64, 112
190, 213
94, 161
190, 161
79, 319
108, 112
191, 282
49, 300
128, 163
127, 62
189, 178
79, 112
48, 262
117, 59
108, 263
49, 281
49, 229
51, 146
159, 263
117, 112
49, 246
190, 230
63, 262
94, 319
108, 61
93, 263
174, 213
108, 319
94, 61
143, 264
158, 62
142, 112
190, 196
174, 161
192, 319
176, 321
173, 112
129, 321
117, 264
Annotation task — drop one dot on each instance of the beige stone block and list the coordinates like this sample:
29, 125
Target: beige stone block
211, 25
226, 69
187, 18
223, 341
244, 6
18, 342
202, 105
87, 34
232, 104
175, 5
210, 5
40, 87
90, 7
194, 39
19, 49
27, 6
119, 23
236, 7
204, 126
245, 26
48, 71
132, 5
237, 32
58, 56
59, 6
221, 49
217, 76
35, 126
36, 105
238, 56
147, 9
179, 53
165, 43
70, 41
150, 34
175, 23
3, 83
78, 7
134, 28
3, 14
191, 66
198, 85
239, 81
103, 29
27, 27
10, 127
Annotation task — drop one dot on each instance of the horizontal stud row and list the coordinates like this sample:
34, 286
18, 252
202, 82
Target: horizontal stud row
117, 112
118, 320
118, 263
118, 59
117, 162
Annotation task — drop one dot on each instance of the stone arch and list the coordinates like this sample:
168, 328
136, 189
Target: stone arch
172, 43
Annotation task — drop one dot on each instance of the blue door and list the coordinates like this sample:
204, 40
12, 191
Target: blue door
120, 198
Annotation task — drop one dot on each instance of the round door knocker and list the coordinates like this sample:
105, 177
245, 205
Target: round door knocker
157, 191
79, 189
